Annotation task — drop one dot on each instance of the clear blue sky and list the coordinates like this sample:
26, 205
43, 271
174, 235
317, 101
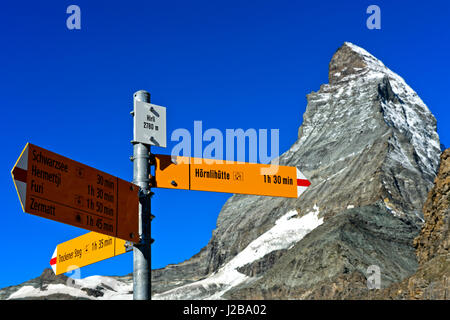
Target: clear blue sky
231, 64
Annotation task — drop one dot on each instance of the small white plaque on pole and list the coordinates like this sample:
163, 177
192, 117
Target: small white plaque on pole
150, 124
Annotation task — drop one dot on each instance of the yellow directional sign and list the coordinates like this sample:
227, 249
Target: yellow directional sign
61, 189
236, 177
84, 250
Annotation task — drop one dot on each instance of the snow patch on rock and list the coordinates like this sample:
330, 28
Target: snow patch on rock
288, 230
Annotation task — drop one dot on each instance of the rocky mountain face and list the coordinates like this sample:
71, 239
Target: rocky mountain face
369, 146
434, 239
432, 279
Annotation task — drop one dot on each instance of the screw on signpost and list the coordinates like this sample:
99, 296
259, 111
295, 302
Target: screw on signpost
142, 250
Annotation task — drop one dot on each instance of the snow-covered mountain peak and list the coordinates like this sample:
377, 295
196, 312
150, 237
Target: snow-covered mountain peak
401, 106
369, 59
350, 61
367, 107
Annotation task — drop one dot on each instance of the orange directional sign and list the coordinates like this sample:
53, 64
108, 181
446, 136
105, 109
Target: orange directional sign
236, 177
84, 250
61, 189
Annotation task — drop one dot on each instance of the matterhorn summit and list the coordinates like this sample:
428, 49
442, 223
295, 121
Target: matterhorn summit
369, 146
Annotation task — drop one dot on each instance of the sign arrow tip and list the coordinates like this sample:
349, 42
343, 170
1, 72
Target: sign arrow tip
53, 260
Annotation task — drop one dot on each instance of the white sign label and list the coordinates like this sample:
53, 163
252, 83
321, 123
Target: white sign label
150, 124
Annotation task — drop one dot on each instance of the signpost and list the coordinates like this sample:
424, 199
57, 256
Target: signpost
116, 211
58, 188
236, 177
141, 177
86, 249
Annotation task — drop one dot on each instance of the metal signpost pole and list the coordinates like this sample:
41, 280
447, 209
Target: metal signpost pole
141, 251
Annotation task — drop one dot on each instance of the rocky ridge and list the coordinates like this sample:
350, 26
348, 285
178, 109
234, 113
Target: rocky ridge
432, 279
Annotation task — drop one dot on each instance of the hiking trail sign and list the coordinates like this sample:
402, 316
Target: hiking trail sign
58, 188
233, 177
87, 249
149, 124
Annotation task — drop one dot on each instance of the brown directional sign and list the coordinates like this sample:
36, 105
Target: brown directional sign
222, 176
58, 188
